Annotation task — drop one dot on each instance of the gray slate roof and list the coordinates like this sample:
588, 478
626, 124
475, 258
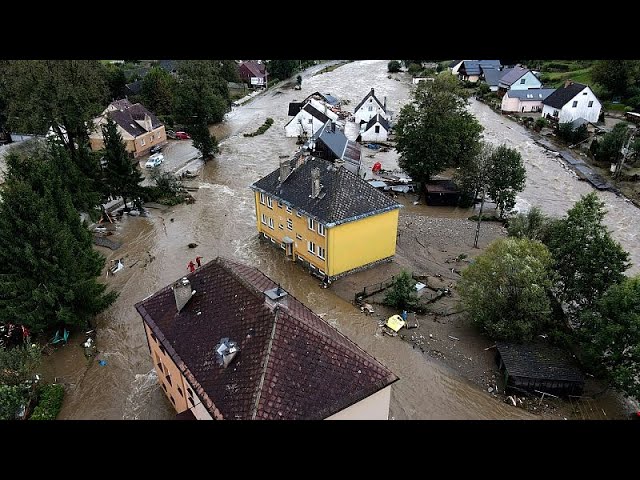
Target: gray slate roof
538, 94
538, 361
563, 95
294, 108
513, 75
475, 67
334, 139
346, 195
126, 117
377, 119
315, 112
492, 76
370, 94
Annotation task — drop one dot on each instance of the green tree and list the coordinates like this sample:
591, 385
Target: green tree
116, 81
533, 225
203, 140
18, 364
610, 336
157, 91
121, 175
202, 93
12, 397
48, 268
229, 71
4, 104
436, 131
587, 260
505, 290
402, 292
282, 69
615, 75
610, 147
507, 177
393, 66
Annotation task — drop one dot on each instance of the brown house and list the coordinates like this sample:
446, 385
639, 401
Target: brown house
253, 73
228, 343
140, 129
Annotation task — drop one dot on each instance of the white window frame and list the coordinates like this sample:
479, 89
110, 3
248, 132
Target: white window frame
263, 219
310, 223
321, 252
288, 209
266, 236
574, 104
279, 204
298, 214
321, 229
289, 224
311, 247
298, 236
262, 198
281, 226
270, 222
269, 202
321, 272
142, 142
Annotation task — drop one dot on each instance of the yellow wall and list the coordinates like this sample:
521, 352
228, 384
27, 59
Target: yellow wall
300, 227
360, 242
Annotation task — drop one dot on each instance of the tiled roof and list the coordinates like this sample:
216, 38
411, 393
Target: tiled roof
333, 137
344, 195
513, 75
127, 114
492, 76
291, 364
532, 94
256, 69
475, 67
377, 119
538, 361
315, 113
370, 94
562, 95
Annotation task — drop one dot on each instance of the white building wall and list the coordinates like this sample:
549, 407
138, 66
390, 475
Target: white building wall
455, 69
371, 135
295, 128
374, 407
368, 110
548, 111
582, 110
530, 81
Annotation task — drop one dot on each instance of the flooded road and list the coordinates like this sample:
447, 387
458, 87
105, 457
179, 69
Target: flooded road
554, 187
222, 222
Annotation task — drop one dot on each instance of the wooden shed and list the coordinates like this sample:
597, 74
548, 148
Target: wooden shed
541, 367
441, 192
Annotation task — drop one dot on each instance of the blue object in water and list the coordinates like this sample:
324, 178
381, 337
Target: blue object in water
102, 363
404, 315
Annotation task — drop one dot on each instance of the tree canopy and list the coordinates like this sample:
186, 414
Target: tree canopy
158, 90
402, 292
48, 267
533, 225
587, 260
610, 336
505, 290
616, 76
202, 93
394, 66
507, 177
436, 131
282, 69
203, 140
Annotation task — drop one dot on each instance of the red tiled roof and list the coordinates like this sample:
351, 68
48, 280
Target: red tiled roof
291, 364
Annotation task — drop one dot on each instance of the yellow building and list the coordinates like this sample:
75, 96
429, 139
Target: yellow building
325, 217
228, 343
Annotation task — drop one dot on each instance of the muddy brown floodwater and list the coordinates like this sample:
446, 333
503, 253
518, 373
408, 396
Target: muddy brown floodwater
222, 222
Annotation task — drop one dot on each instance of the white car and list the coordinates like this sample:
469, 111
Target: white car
154, 160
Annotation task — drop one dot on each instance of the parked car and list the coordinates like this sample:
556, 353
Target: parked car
154, 160
183, 136
156, 149
171, 134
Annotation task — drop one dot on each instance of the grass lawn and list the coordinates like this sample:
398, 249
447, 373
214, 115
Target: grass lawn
556, 79
616, 107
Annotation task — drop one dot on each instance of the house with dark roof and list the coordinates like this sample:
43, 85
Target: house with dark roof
518, 78
308, 118
330, 143
369, 107
491, 76
325, 217
454, 66
570, 102
471, 70
254, 73
324, 97
140, 129
228, 343
133, 88
375, 130
525, 100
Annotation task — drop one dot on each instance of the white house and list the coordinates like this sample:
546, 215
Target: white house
525, 100
307, 121
376, 130
454, 66
518, 78
369, 107
571, 102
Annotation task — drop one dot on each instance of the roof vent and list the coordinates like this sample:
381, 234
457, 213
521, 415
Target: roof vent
226, 350
275, 296
182, 292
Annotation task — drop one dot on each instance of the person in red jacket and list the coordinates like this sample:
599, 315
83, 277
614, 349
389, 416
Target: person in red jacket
191, 266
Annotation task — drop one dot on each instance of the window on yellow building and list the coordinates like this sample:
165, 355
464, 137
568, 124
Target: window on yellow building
289, 224
281, 226
180, 392
169, 379
311, 248
320, 252
298, 236
279, 204
310, 223
172, 400
263, 219
269, 202
288, 209
271, 223
321, 229
262, 198
298, 214
164, 386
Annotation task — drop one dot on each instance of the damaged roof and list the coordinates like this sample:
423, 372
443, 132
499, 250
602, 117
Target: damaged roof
127, 113
346, 196
291, 364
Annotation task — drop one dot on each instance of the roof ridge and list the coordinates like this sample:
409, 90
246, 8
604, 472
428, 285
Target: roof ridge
266, 364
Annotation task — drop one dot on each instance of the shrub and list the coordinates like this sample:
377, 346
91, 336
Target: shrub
50, 403
11, 398
393, 66
265, 126
402, 293
540, 123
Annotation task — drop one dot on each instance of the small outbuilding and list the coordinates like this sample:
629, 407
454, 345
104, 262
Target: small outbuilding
441, 193
537, 367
